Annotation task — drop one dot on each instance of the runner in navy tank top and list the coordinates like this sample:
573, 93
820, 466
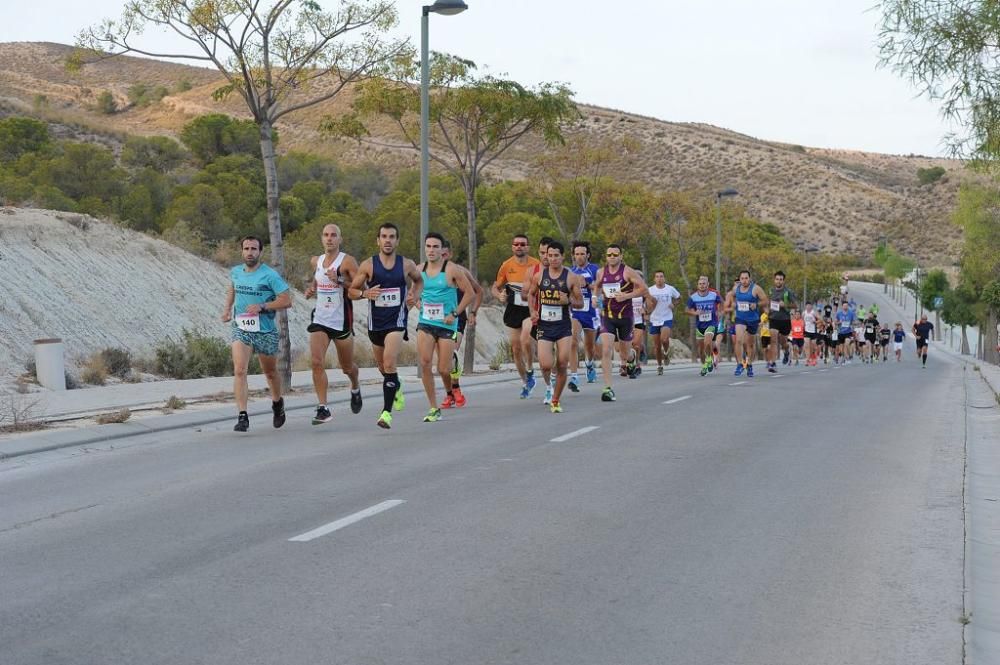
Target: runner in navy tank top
392, 284
747, 300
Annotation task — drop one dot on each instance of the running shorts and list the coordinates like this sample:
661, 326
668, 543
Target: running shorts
330, 332
655, 329
587, 320
514, 315
781, 326
437, 332
377, 337
751, 326
620, 328
700, 332
262, 343
799, 342
553, 332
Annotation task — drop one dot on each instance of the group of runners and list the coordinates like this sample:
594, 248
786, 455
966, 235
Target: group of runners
557, 307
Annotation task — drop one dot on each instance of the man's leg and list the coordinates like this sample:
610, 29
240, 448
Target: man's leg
527, 345
607, 355
425, 355
319, 342
575, 346
389, 353
545, 356
516, 351
665, 333
445, 348
657, 348
241, 360
564, 349
345, 358
269, 365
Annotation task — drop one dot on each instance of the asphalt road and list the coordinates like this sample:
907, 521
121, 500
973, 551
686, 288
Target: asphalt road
811, 518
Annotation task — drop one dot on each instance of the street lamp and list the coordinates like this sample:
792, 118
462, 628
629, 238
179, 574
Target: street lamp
445, 8
805, 269
718, 233
883, 241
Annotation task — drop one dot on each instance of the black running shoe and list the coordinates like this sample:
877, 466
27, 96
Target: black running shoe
356, 402
278, 408
242, 423
323, 415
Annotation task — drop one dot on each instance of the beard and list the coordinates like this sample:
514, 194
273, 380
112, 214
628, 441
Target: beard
251, 262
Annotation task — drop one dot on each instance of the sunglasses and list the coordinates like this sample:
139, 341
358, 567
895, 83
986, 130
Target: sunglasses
519, 244
611, 256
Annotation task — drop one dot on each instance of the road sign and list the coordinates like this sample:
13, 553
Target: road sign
938, 302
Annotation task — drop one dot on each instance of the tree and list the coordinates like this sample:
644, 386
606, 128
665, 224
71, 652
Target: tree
277, 56
22, 135
948, 51
934, 285
959, 309
217, 134
474, 120
160, 153
978, 213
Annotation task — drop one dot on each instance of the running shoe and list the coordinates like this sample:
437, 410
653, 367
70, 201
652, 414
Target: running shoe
750, 371
529, 384
574, 384
448, 402
556, 407
323, 415
659, 370
278, 409
355, 402
771, 367
456, 372
384, 420
630, 370
784, 360
739, 369
608, 395
704, 370
242, 423
525, 391
433, 415
399, 401
622, 371
548, 395
460, 400
591, 373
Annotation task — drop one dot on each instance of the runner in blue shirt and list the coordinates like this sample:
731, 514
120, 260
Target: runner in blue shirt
255, 293
845, 332
585, 317
704, 305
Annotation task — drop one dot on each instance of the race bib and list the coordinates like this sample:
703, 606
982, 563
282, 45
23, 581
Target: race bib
585, 308
389, 298
775, 306
870, 330
611, 290
433, 311
248, 322
742, 306
705, 317
637, 309
834, 336
551, 313
329, 298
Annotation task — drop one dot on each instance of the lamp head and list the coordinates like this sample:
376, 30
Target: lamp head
447, 7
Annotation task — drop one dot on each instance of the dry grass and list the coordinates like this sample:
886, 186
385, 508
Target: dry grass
113, 417
838, 200
174, 403
19, 412
95, 370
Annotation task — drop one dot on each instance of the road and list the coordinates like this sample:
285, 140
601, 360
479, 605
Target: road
814, 517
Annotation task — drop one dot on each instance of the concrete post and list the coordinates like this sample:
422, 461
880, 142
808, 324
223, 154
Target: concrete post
50, 369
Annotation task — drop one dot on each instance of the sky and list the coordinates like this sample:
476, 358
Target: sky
796, 71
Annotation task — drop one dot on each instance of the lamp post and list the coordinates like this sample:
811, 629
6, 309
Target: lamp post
445, 8
806, 251
718, 233
884, 242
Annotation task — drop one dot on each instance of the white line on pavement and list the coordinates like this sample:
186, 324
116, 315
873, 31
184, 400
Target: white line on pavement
677, 399
737, 383
346, 521
571, 435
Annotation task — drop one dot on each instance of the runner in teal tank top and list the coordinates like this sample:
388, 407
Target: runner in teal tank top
437, 325
747, 300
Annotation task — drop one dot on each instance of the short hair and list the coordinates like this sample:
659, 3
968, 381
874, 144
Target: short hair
546, 240
745, 271
260, 243
445, 243
555, 244
779, 274
521, 235
387, 225
615, 246
434, 235
659, 272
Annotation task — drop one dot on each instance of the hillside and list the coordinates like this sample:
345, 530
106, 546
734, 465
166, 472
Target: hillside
97, 285
840, 201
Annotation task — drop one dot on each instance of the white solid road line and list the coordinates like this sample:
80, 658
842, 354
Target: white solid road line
346, 521
571, 435
737, 383
677, 399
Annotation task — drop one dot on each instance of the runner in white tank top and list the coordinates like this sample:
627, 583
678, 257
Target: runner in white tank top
332, 320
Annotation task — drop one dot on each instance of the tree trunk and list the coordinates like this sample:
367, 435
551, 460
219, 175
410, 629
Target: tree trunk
277, 248
937, 326
965, 340
469, 356
992, 356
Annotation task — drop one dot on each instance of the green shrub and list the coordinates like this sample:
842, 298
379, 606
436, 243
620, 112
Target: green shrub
106, 103
117, 361
927, 176
197, 356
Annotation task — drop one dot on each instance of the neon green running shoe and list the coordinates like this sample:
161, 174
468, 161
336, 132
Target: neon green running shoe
556, 407
433, 415
384, 420
399, 401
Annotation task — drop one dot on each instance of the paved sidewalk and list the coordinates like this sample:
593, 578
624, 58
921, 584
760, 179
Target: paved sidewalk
72, 405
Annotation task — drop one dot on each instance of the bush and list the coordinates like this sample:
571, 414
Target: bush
118, 362
927, 176
95, 373
106, 103
113, 417
197, 356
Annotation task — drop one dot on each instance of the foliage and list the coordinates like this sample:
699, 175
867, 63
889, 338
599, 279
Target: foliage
19, 135
159, 153
948, 50
216, 134
197, 356
117, 361
978, 213
106, 103
933, 285
930, 175
141, 94
959, 307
